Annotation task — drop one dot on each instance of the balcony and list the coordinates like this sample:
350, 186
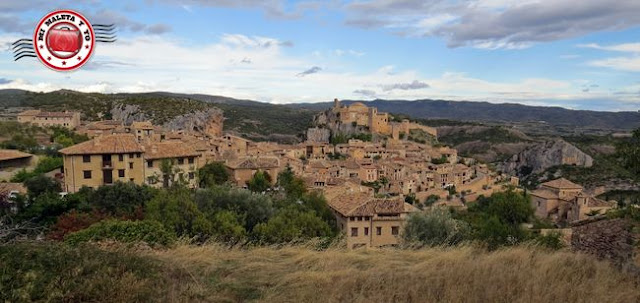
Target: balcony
107, 165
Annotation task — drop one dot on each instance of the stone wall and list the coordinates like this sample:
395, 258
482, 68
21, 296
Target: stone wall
606, 239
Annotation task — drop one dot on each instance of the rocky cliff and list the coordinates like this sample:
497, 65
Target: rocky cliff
209, 122
539, 157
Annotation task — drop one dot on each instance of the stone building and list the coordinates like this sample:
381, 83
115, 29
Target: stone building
70, 120
564, 201
102, 161
243, 169
10, 158
368, 221
184, 163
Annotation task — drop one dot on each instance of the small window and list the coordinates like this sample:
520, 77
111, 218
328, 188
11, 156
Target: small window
352, 219
378, 230
354, 231
86, 158
395, 230
131, 165
366, 231
138, 155
121, 173
120, 157
149, 163
87, 174
191, 160
192, 176
131, 179
131, 155
180, 161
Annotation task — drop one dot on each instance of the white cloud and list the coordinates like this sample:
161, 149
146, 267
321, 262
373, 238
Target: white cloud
629, 63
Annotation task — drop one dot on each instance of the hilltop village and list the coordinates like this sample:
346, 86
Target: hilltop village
372, 170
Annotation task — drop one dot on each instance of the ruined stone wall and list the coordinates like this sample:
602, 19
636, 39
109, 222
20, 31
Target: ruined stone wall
606, 239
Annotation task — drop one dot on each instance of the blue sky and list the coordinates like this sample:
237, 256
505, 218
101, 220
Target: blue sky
576, 54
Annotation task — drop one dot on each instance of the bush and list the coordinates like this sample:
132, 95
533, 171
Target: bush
177, 211
50, 272
73, 221
250, 208
41, 184
291, 224
552, 240
211, 174
150, 232
260, 182
434, 228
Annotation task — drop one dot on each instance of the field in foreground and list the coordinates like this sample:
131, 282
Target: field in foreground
211, 273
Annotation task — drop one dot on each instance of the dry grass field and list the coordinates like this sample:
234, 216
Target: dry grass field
49, 272
466, 274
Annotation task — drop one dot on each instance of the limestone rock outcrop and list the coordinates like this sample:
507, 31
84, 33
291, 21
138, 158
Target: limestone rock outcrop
209, 122
539, 157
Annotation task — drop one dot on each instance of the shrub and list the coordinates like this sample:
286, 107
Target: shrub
291, 224
150, 232
435, 227
53, 272
214, 173
552, 240
177, 211
73, 221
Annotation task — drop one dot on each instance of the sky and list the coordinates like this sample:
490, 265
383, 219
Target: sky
575, 54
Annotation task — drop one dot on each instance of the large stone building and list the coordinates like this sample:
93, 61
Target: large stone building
107, 159
368, 221
70, 120
102, 161
561, 200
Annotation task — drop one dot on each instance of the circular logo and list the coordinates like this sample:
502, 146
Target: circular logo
64, 40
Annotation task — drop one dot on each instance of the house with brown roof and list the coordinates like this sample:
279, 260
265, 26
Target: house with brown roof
564, 201
67, 119
10, 158
102, 161
367, 221
182, 159
243, 169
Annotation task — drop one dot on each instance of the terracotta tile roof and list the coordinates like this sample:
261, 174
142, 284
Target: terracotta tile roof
142, 125
595, 202
31, 112
358, 203
7, 187
562, 183
169, 149
255, 163
55, 114
108, 144
10, 154
543, 193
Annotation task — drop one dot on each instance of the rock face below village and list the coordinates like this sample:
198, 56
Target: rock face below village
208, 122
546, 154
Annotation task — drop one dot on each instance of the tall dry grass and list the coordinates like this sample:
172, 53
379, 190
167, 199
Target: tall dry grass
463, 274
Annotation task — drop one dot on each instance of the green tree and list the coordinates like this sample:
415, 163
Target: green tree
214, 173
119, 199
291, 224
260, 182
227, 227
166, 167
629, 153
45, 208
250, 208
177, 211
41, 184
434, 228
293, 186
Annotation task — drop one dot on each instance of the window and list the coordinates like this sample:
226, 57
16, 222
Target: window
138, 155
378, 230
87, 174
538, 203
180, 161
86, 158
121, 173
395, 230
192, 176
131, 165
354, 231
352, 219
120, 157
149, 163
366, 231
131, 155
191, 160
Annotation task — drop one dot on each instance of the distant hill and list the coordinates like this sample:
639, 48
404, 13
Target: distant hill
252, 119
504, 112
